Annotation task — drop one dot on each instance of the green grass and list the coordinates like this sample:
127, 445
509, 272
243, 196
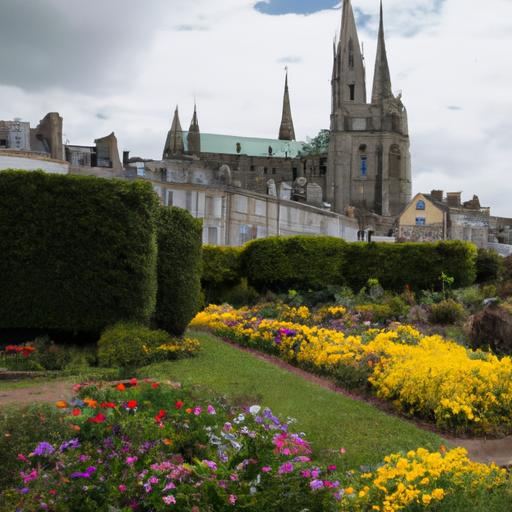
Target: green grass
331, 421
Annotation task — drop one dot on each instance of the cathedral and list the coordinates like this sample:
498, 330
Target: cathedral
366, 163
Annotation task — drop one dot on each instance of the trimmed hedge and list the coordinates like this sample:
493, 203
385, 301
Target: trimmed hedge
77, 253
220, 271
299, 262
418, 265
279, 264
179, 238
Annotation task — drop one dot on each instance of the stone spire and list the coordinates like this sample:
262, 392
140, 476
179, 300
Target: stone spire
286, 131
194, 136
348, 75
174, 142
381, 78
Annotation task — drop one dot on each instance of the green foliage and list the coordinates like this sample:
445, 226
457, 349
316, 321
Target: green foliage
53, 356
446, 312
77, 253
490, 266
299, 263
319, 144
220, 271
178, 269
418, 265
129, 344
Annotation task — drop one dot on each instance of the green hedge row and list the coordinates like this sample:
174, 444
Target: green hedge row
79, 253
179, 238
308, 263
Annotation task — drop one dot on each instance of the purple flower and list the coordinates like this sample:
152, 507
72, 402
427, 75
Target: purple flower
43, 449
210, 464
316, 484
69, 444
24, 490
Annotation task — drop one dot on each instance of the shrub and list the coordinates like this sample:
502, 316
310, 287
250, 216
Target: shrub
129, 344
77, 253
490, 266
220, 271
446, 312
299, 263
178, 269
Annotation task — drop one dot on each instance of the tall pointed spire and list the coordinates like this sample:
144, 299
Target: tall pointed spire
174, 142
286, 130
381, 78
194, 136
348, 76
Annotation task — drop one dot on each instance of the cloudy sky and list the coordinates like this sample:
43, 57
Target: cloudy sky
124, 65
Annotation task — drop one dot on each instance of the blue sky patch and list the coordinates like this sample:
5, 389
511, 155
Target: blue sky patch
275, 7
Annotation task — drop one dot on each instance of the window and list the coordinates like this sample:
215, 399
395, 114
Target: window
363, 166
420, 205
352, 88
420, 221
212, 235
245, 234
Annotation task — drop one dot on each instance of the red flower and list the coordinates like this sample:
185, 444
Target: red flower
157, 418
98, 418
155, 384
179, 404
131, 404
161, 413
133, 382
76, 412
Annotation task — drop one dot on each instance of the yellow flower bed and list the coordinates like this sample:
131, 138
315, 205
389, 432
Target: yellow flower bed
420, 477
421, 375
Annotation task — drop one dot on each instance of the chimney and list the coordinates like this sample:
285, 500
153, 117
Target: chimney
453, 199
437, 195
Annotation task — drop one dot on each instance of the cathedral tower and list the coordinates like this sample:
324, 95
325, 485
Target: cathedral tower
369, 163
286, 130
194, 136
174, 142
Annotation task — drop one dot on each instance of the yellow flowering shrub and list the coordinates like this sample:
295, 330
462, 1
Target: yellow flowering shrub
421, 478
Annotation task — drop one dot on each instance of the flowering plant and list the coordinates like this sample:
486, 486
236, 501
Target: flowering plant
17, 357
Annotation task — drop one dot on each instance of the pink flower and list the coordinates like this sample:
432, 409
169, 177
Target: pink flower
266, 469
232, 499
122, 488
169, 499
211, 410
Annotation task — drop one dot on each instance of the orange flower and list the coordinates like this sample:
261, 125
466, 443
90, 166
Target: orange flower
120, 386
62, 404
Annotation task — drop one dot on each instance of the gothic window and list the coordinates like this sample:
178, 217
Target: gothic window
352, 88
420, 221
363, 166
420, 205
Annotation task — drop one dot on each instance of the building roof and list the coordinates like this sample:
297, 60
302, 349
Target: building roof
251, 146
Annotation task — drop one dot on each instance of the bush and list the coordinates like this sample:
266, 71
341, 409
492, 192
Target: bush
220, 271
446, 312
300, 263
77, 253
129, 344
490, 266
178, 269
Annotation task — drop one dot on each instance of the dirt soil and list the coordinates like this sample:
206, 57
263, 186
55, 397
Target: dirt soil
481, 450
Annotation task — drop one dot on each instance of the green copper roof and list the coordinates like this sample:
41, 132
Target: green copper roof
251, 146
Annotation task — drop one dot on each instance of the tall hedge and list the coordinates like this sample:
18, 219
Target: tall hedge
303, 262
179, 269
76, 252
297, 262
418, 265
